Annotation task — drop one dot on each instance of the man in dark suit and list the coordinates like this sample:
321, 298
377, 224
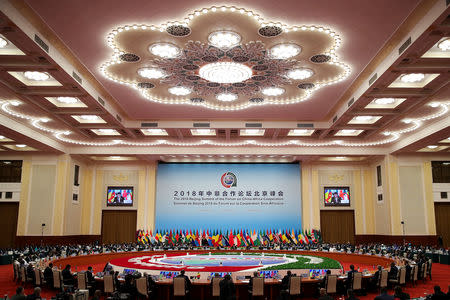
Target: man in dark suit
350, 273
48, 275
408, 269
227, 289
399, 294
67, 276
90, 275
285, 281
376, 278
36, 294
384, 295
393, 271
438, 294
19, 294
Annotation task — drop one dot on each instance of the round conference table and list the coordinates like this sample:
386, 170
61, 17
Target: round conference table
201, 288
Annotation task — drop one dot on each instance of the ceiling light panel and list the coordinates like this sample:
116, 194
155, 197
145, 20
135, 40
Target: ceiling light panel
285, 51
224, 39
66, 101
88, 119
348, 132
34, 78
164, 50
439, 50
413, 80
364, 120
8, 48
300, 132
252, 132
106, 131
225, 72
388, 103
154, 132
200, 132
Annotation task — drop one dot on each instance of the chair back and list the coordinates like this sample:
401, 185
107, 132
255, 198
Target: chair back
295, 285
216, 286
430, 264
402, 276
384, 278
416, 273
141, 286
179, 286
424, 274
37, 277
81, 279
331, 284
57, 279
22, 274
258, 286
357, 280
108, 284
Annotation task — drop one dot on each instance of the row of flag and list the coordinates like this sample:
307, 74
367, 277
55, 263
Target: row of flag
228, 238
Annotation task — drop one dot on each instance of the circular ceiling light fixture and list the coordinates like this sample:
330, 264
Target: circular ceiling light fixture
164, 50
36, 76
151, 73
432, 147
224, 39
21, 145
299, 74
384, 101
413, 77
3, 42
225, 72
179, 91
284, 51
444, 45
89, 117
273, 91
226, 97
67, 100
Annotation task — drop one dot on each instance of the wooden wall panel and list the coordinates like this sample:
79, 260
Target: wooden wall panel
9, 212
119, 226
337, 226
442, 213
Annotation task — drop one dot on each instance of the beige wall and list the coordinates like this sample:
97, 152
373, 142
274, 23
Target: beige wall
47, 187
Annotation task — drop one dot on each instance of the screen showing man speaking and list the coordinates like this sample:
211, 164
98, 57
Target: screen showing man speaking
228, 196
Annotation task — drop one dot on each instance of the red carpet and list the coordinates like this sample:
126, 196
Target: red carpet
441, 277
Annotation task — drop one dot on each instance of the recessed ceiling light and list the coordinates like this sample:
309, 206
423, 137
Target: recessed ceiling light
3, 42
444, 45
384, 101
226, 97
203, 132
2, 137
225, 72
432, 147
164, 50
348, 131
89, 117
299, 74
300, 132
224, 39
36, 76
179, 91
413, 77
273, 91
115, 157
106, 130
154, 131
21, 145
340, 157
284, 51
434, 104
363, 118
151, 73
252, 132
67, 100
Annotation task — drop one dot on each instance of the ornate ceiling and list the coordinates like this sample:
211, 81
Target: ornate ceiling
224, 82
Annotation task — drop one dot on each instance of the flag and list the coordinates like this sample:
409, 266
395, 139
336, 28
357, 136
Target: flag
231, 239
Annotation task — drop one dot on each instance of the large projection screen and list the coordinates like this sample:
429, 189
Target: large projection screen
228, 196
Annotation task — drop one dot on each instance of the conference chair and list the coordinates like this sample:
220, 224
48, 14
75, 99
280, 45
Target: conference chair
401, 277
179, 287
16, 270
22, 277
430, 264
295, 284
357, 281
37, 277
384, 279
258, 287
108, 284
81, 281
141, 286
415, 275
424, 272
215, 292
331, 284
57, 280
